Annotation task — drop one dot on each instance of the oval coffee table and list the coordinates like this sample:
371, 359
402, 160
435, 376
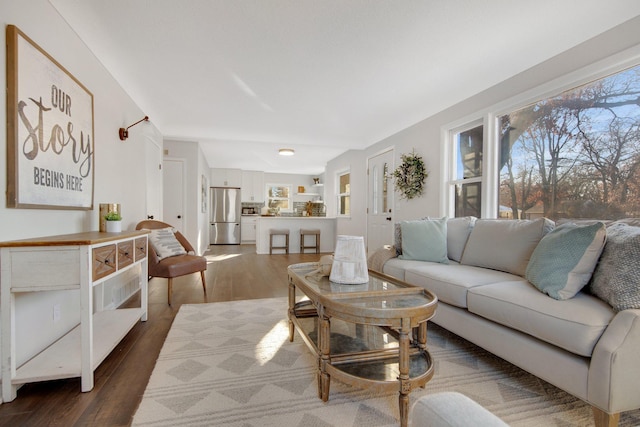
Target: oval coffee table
370, 335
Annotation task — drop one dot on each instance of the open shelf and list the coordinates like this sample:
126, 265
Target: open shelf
62, 359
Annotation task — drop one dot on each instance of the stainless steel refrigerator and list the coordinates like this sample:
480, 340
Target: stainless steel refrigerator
225, 216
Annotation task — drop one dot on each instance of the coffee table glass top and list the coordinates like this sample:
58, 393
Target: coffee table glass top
322, 286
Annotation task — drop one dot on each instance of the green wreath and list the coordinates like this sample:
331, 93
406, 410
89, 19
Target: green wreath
410, 176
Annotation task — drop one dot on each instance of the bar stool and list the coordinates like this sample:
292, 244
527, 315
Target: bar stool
278, 232
309, 232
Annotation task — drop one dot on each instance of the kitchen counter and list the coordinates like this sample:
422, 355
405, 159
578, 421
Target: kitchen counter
326, 225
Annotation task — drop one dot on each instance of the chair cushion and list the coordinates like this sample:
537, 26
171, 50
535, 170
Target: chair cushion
178, 265
563, 262
165, 244
575, 324
451, 409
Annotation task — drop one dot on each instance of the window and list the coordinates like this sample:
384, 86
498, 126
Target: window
467, 173
344, 194
279, 197
575, 154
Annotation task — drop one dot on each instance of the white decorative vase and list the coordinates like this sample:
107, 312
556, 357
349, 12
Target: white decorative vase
349, 261
114, 226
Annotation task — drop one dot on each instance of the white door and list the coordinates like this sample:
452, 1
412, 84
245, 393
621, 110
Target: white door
153, 157
380, 201
174, 193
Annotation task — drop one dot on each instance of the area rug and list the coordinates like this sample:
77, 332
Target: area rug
231, 364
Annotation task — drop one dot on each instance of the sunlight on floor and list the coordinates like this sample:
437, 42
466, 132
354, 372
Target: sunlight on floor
222, 257
272, 341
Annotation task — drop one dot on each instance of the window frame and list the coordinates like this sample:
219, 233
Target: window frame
339, 195
489, 118
267, 198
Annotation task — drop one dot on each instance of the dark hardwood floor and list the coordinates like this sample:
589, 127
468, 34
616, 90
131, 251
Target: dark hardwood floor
234, 273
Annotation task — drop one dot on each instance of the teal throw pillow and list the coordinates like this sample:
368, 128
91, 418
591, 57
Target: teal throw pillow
564, 260
425, 240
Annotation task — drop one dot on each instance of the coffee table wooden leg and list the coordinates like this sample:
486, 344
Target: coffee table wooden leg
422, 335
324, 343
405, 385
292, 304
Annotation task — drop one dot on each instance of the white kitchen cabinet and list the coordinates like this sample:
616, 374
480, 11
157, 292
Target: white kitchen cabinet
223, 177
253, 186
248, 230
84, 262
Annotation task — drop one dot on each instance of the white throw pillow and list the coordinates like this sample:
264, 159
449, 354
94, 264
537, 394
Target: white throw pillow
165, 244
564, 260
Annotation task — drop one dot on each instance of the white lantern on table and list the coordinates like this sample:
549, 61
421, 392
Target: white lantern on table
349, 261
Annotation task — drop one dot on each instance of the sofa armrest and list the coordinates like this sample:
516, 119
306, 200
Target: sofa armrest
614, 373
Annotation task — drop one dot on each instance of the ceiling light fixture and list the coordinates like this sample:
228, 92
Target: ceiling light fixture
124, 133
286, 152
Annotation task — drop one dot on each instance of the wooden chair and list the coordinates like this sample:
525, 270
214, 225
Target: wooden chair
174, 266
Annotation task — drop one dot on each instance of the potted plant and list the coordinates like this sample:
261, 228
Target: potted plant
114, 222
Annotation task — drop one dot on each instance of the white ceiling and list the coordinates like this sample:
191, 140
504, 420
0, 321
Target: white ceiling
246, 77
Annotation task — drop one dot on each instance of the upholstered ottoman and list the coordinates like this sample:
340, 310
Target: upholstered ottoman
451, 409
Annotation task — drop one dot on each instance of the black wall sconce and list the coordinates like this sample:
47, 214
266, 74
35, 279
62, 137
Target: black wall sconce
124, 133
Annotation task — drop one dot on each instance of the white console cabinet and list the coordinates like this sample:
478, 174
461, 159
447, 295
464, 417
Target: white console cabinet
84, 262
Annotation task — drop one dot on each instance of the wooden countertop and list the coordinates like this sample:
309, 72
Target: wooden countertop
85, 238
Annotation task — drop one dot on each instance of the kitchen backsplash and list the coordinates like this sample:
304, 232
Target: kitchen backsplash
318, 209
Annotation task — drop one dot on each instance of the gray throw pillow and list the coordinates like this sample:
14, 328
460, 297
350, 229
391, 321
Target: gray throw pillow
616, 279
397, 238
564, 260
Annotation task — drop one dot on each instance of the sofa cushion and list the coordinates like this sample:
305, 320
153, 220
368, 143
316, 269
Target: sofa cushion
451, 282
574, 325
616, 279
504, 245
396, 267
564, 260
458, 231
425, 240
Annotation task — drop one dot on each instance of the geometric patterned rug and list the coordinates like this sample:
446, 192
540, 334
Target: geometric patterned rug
231, 364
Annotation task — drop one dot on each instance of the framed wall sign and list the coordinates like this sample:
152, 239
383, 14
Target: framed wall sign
50, 143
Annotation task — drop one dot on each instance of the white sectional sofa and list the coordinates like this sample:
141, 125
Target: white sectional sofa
581, 344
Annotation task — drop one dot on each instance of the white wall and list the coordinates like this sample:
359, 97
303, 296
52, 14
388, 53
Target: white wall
119, 172
425, 136
355, 162
196, 222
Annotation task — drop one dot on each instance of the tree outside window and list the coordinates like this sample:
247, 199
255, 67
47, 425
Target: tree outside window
279, 197
576, 155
